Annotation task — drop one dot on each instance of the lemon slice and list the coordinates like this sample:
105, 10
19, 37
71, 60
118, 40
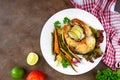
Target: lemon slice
73, 35
78, 31
77, 28
32, 58
79, 34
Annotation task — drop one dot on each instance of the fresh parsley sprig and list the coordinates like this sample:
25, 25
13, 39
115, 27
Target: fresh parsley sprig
108, 74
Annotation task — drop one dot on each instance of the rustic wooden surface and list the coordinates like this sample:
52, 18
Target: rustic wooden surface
21, 22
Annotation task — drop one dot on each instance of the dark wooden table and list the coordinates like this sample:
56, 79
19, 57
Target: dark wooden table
21, 22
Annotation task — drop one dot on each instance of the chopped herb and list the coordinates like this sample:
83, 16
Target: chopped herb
57, 24
66, 20
65, 63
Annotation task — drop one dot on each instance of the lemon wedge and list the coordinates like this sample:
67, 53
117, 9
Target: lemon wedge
32, 58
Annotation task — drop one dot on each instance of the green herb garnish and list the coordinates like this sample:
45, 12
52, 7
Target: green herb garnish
66, 20
57, 24
65, 63
107, 74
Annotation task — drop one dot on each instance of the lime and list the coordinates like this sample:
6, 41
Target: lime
32, 58
17, 73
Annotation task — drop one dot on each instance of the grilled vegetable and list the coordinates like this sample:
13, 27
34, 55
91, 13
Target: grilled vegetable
59, 59
56, 43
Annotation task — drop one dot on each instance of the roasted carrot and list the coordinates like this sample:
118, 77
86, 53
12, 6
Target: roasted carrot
68, 58
56, 42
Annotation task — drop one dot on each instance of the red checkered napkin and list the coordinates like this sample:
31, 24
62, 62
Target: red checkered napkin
104, 11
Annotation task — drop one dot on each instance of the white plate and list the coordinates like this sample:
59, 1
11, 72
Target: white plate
46, 39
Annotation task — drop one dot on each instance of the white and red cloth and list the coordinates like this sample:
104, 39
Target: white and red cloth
110, 19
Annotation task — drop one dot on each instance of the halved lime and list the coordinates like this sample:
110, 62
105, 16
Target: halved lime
32, 58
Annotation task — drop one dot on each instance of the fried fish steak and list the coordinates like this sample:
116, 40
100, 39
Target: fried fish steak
84, 45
